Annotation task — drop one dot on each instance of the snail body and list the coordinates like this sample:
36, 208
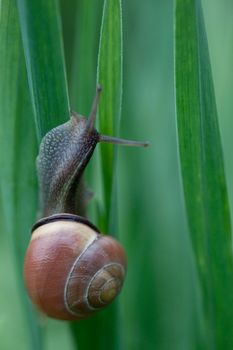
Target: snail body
71, 270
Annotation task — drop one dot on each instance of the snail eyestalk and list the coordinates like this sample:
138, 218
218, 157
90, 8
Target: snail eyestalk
92, 116
106, 138
123, 142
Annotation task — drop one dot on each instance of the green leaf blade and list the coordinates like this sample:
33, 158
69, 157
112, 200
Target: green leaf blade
203, 171
18, 147
82, 75
109, 76
41, 36
105, 325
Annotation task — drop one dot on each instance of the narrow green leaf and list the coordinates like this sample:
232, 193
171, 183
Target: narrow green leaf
104, 326
203, 173
18, 147
109, 76
69, 21
84, 60
41, 34
83, 80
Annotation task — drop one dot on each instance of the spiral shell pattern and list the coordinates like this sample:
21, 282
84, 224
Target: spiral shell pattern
71, 270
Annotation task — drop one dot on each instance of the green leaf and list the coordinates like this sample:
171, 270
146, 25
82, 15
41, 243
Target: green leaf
83, 82
18, 136
104, 326
18, 147
42, 40
109, 76
84, 60
203, 173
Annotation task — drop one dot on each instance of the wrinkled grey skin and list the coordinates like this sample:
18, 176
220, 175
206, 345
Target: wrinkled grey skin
63, 155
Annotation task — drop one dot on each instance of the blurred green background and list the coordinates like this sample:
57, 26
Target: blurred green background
160, 300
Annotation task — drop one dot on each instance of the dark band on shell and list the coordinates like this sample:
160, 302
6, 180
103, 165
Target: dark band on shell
64, 217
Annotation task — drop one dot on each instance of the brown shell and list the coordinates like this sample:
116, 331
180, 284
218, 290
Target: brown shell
72, 271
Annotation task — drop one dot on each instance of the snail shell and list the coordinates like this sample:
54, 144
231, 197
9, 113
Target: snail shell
71, 270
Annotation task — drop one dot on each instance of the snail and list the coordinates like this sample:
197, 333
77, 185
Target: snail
71, 270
